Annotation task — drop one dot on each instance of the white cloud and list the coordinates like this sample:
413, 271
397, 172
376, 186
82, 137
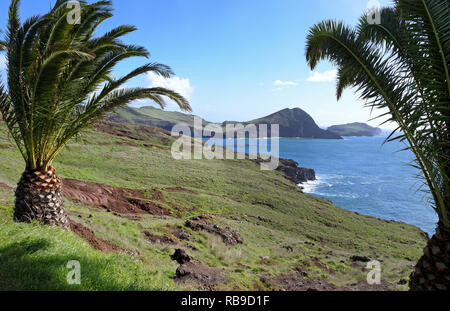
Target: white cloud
280, 85
180, 85
2, 62
327, 76
284, 83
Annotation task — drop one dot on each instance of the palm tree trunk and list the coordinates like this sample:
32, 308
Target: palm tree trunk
39, 197
432, 272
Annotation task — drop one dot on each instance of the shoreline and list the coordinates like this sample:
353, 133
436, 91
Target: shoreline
309, 186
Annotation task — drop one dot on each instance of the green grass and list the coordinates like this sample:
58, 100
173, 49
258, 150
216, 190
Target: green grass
236, 192
34, 257
155, 116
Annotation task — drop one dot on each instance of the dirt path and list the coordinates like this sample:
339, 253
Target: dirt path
119, 200
96, 242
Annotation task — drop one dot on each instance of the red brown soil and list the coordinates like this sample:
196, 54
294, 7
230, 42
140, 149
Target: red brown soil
118, 200
5, 186
297, 282
200, 273
206, 217
156, 239
96, 242
200, 223
181, 235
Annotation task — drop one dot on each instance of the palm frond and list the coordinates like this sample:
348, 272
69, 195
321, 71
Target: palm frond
59, 77
399, 65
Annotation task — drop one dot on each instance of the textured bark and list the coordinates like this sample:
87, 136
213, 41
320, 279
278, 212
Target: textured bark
432, 272
39, 197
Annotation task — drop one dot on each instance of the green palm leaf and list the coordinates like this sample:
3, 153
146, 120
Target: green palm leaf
401, 64
59, 77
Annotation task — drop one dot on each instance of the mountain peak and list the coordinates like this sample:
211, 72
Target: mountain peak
293, 122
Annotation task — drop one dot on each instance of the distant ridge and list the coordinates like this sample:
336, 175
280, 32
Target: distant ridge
355, 129
293, 122
152, 116
296, 123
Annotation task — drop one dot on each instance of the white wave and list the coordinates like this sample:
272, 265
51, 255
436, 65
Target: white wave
323, 182
311, 185
343, 195
346, 183
334, 176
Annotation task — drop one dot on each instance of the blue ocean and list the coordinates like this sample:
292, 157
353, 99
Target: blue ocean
361, 174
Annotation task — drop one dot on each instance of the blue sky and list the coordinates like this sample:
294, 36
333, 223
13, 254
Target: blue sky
235, 59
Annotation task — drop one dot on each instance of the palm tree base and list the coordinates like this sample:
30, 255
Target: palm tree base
432, 272
39, 197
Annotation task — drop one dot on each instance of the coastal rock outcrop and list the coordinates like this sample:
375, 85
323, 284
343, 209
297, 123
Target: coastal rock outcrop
293, 171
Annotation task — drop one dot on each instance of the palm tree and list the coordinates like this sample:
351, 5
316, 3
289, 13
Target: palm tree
402, 65
60, 82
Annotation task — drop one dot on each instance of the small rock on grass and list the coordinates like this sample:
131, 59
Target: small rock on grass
181, 256
360, 259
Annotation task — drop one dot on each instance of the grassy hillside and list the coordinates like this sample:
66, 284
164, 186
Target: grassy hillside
154, 116
292, 122
289, 238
